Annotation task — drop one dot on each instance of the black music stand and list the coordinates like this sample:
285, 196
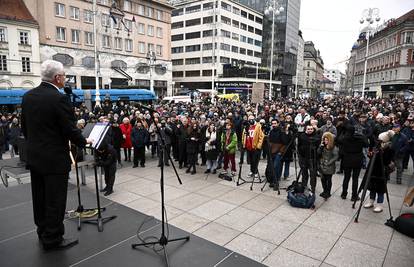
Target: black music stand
98, 135
164, 240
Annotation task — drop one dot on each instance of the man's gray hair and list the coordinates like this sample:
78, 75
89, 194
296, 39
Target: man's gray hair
49, 69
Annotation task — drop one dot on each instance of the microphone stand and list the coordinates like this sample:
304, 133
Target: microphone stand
164, 240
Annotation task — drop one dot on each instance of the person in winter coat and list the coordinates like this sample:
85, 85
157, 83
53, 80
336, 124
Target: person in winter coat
352, 158
106, 157
14, 133
328, 154
117, 140
126, 130
153, 137
139, 138
381, 171
399, 145
252, 142
166, 133
229, 147
192, 147
182, 134
278, 142
211, 148
287, 158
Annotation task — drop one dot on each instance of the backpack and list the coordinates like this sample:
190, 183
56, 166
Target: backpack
405, 224
300, 196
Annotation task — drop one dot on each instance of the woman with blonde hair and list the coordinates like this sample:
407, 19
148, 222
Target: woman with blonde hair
328, 154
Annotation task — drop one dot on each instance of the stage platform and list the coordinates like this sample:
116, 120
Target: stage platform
19, 245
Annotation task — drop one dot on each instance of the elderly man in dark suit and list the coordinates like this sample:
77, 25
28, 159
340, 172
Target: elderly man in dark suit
48, 124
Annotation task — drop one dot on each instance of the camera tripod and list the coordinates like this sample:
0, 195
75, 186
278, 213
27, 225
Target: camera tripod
366, 181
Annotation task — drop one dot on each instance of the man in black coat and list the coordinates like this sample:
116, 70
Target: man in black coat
48, 124
139, 138
106, 157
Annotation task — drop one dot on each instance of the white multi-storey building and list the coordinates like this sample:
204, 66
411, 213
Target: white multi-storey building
335, 76
19, 47
299, 78
236, 31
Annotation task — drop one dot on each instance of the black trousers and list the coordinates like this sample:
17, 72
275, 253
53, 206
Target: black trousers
326, 180
118, 154
347, 176
308, 169
176, 154
254, 157
182, 150
110, 176
127, 157
139, 155
167, 151
49, 203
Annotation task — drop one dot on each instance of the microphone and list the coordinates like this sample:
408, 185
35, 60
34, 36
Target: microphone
68, 90
147, 108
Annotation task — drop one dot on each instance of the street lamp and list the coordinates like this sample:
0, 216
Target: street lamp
368, 15
272, 7
151, 62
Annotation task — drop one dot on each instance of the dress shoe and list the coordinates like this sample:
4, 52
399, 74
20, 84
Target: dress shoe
167, 164
134, 166
207, 171
214, 171
104, 189
107, 193
355, 198
187, 171
271, 185
142, 165
64, 244
193, 172
343, 196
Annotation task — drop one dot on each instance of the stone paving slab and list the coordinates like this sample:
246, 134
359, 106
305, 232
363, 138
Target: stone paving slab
262, 225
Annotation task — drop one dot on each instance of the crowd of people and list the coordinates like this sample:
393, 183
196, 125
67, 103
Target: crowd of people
319, 132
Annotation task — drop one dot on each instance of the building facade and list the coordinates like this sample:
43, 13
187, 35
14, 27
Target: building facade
127, 31
390, 60
285, 46
236, 32
19, 47
335, 76
313, 70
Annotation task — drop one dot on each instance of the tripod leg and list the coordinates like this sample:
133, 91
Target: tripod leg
166, 256
388, 200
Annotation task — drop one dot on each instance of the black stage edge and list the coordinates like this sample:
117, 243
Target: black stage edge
19, 245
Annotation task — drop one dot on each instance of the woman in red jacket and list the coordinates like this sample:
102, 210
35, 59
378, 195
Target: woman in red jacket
126, 129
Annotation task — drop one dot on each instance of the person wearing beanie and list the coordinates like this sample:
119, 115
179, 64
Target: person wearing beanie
383, 166
399, 144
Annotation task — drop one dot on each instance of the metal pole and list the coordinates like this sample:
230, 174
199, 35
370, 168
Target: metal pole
97, 94
365, 66
213, 54
296, 84
271, 52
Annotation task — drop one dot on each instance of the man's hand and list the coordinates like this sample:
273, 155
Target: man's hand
89, 140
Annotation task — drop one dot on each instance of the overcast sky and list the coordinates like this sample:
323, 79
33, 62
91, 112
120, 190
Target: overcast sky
333, 25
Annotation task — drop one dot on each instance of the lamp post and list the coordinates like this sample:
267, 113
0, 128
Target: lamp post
272, 7
97, 72
151, 62
369, 15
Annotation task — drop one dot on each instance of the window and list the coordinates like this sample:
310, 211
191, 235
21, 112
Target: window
242, 51
192, 35
250, 53
224, 60
74, 13
243, 39
106, 22
103, 2
207, 33
257, 54
234, 49
177, 62
127, 5
160, 15
159, 32
257, 43
207, 72
106, 41
225, 33
177, 74
177, 25
177, 50
225, 47
243, 26
225, 20
236, 24
128, 25
159, 50
307, 73
235, 36
151, 48
192, 48
88, 16
61, 34
259, 20
207, 59
250, 41
3, 35
192, 73
251, 17
118, 43
251, 29
193, 22
236, 10
258, 32
24, 37
150, 12
141, 28
192, 9
115, 23
59, 10
226, 6
141, 47
244, 14
88, 38
26, 64
141, 10
150, 30
177, 37
207, 20
177, 12
208, 46
76, 36
308, 64
3, 63
128, 45
208, 6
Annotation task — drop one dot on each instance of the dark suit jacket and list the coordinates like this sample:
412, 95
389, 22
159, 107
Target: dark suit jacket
48, 123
